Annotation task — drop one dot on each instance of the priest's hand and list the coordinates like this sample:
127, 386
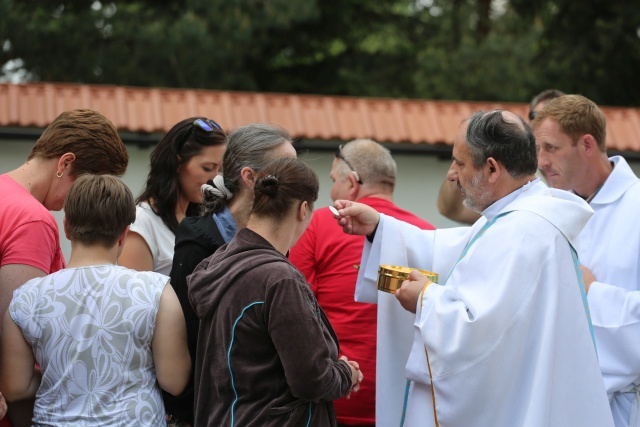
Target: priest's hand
587, 277
356, 218
411, 289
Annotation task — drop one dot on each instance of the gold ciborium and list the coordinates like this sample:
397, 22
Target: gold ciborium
390, 277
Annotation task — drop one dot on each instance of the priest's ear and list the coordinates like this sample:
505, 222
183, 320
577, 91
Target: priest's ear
493, 169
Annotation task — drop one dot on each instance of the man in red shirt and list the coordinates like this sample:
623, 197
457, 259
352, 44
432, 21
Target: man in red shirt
362, 171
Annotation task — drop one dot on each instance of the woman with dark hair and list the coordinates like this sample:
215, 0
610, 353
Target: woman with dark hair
267, 355
188, 156
226, 206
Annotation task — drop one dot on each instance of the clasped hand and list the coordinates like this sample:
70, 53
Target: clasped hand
356, 375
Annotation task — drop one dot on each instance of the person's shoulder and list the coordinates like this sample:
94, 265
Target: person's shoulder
192, 226
16, 203
623, 177
633, 191
33, 289
150, 225
144, 210
36, 283
151, 277
131, 275
201, 230
529, 225
248, 243
144, 216
285, 274
629, 200
10, 184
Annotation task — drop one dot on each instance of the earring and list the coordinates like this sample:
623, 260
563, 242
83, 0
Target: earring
59, 174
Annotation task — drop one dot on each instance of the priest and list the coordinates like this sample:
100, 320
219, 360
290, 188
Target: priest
504, 339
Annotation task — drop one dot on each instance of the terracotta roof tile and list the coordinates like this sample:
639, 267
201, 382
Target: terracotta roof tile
313, 117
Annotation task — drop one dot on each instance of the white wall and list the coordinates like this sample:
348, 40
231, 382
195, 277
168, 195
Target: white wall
419, 178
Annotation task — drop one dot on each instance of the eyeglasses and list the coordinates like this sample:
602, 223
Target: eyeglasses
206, 125
341, 157
532, 115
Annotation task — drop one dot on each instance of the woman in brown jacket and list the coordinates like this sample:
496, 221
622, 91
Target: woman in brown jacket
267, 355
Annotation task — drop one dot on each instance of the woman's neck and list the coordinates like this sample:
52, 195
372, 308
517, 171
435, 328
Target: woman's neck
280, 235
89, 255
240, 208
181, 208
35, 176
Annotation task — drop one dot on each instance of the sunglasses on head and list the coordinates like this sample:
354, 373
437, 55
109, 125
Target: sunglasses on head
341, 157
206, 125
532, 115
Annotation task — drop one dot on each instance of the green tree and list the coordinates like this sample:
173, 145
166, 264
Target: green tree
503, 50
590, 47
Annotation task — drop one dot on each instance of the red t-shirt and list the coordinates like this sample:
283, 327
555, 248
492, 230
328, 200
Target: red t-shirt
330, 259
28, 232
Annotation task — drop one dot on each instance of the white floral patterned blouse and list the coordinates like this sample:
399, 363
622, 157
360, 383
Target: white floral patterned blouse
91, 330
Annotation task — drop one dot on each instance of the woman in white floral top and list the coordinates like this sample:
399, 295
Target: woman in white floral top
106, 338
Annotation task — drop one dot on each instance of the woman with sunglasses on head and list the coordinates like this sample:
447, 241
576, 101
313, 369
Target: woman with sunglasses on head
226, 205
188, 156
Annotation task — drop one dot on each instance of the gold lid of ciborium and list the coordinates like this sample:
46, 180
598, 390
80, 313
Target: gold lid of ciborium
390, 277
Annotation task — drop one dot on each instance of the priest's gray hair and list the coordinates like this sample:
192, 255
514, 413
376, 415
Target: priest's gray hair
504, 136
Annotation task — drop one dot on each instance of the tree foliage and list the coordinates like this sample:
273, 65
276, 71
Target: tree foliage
503, 50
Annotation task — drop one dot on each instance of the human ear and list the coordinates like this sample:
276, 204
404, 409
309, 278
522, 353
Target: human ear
589, 143
302, 210
248, 177
66, 229
354, 186
494, 168
64, 163
123, 237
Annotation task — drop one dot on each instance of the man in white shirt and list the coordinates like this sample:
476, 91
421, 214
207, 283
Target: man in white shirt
504, 339
571, 134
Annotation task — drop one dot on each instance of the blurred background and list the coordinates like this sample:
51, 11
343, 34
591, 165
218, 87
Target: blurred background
489, 50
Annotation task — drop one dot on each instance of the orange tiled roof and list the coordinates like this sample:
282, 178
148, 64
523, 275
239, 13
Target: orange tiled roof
151, 110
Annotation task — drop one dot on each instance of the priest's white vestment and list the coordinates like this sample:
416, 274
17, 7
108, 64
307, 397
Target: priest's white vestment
504, 340
609, 246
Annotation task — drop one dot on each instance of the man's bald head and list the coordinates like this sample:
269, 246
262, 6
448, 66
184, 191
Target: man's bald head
372, 161
514, 119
